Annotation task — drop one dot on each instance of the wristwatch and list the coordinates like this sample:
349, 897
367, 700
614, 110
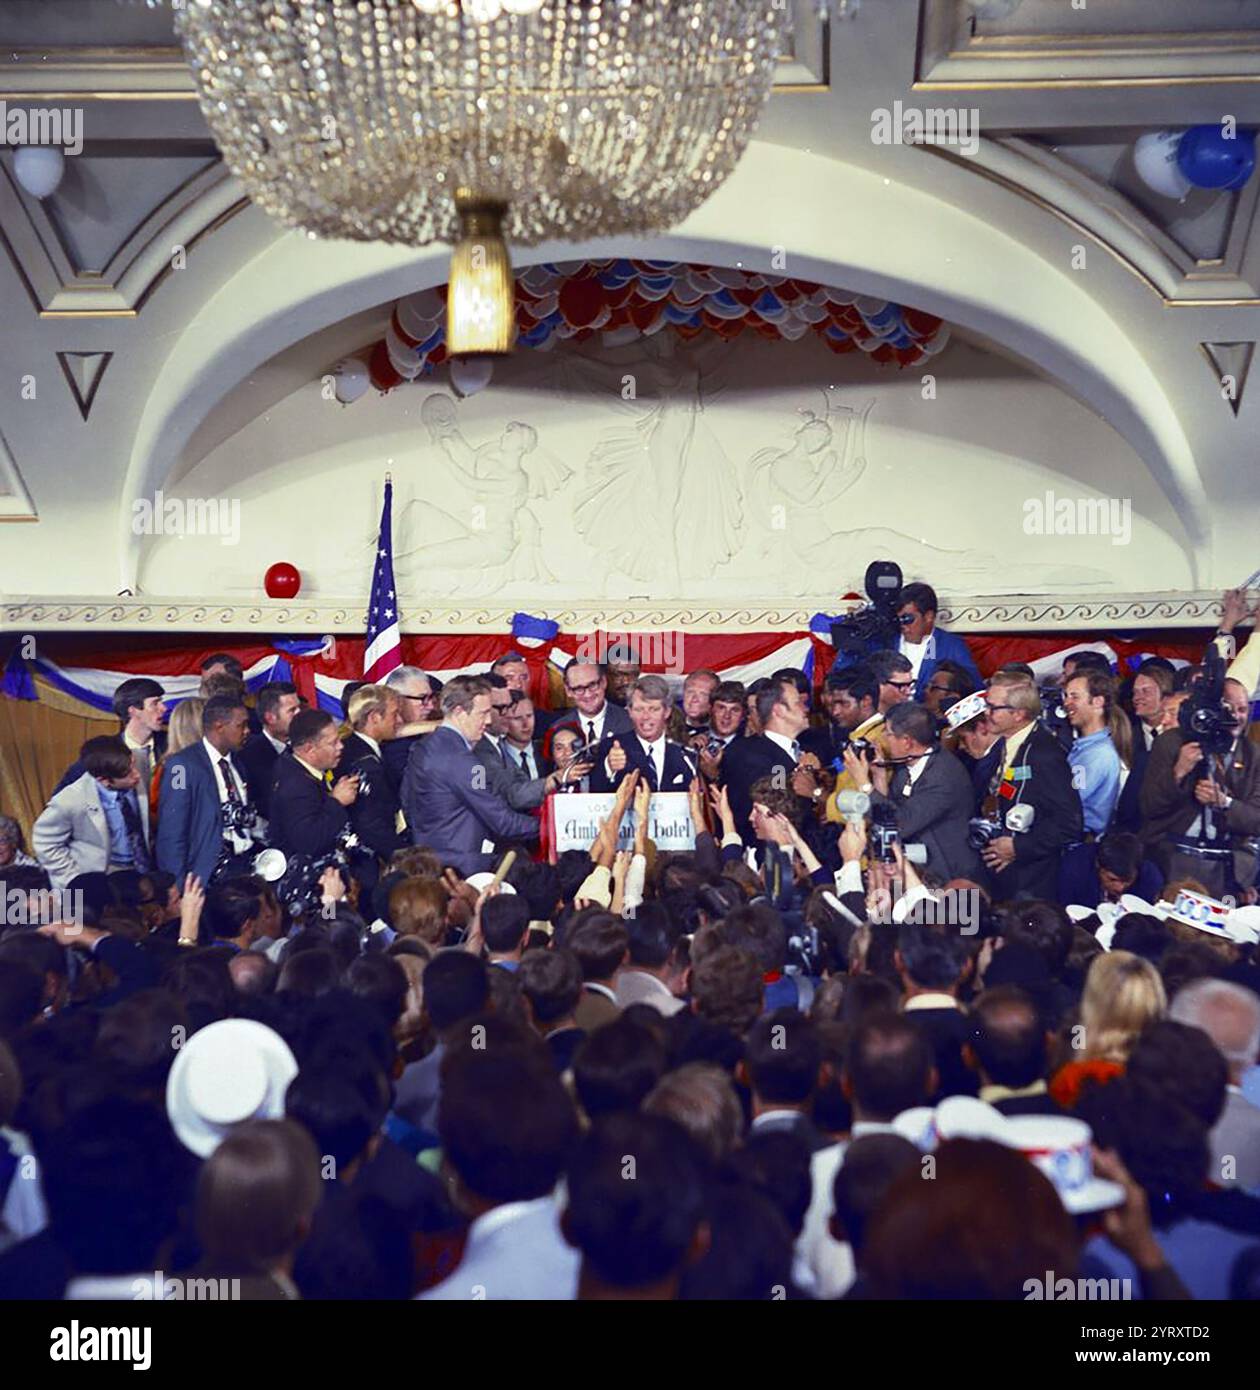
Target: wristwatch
867, 788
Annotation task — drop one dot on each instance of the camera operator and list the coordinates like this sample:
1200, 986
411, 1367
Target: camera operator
1031, 786
308, 815
925, 645
929, 791
1212, 798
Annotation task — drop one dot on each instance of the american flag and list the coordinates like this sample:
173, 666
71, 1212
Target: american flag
383, 648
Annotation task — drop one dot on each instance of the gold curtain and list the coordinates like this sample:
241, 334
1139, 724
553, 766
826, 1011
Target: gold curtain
39, 739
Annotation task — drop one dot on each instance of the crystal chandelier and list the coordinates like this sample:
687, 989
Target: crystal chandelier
468, 121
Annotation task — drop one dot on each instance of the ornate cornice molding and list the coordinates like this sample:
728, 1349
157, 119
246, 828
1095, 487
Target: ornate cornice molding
979, 614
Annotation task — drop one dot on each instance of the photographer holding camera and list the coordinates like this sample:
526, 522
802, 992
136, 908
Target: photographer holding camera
1032, 811
928, 790
1201, 795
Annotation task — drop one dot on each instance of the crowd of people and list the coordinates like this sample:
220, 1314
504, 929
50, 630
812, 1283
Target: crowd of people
955, 994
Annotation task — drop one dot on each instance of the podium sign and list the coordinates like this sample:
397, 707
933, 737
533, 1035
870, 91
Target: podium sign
574, 819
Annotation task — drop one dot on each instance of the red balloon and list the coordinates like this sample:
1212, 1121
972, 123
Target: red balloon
381, 369
282, 580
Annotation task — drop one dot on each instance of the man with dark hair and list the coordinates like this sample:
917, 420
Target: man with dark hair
636, 1238
615, 1068
783, 714
592, 714
600, 943
551, 982
653, 941
309, 811
1103, 870
933, 966
504, 927
220, 664
456, 989
1007, 1048
207, 813
448, 802
894, 675
727, 989
888, 1068
276, 705
924, 644
929, 791
99, 822
948, 684
1094, 759
138, 704
871, 1165
507, 1127
242, 912
782, 1058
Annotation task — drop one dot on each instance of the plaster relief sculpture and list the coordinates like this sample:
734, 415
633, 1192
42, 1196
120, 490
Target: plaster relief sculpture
660, 500
483, 533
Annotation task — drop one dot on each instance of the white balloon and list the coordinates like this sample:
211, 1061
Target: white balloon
352, 380
471, 374
1155, 157
39, 169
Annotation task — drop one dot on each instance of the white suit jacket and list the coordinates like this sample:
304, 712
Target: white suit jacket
71, 836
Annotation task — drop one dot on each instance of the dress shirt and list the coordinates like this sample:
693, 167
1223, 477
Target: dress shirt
277, 743
371, 743
914, 652
587, 721
143, 753
120, 851
789, 745
914, 771
516, 754
1096, 773
241, 844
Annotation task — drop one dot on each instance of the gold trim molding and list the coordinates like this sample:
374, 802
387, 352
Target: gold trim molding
970, 614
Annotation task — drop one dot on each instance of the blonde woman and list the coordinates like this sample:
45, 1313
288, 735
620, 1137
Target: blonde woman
1123, 993
183, 730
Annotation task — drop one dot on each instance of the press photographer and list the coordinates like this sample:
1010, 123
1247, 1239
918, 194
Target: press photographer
1201, 797
927, 789
308, 810
1031, 812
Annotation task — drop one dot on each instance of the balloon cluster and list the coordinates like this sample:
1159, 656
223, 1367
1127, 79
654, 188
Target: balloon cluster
624, 299
1172, 162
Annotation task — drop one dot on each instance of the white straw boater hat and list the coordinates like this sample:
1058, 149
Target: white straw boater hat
965, 710
1210, 915
1058, 1144
227, 1072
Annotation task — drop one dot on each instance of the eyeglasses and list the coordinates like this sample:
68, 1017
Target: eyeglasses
905, 619
424, 699
941, 689
992, 708
494, 704
901, 685
583, 689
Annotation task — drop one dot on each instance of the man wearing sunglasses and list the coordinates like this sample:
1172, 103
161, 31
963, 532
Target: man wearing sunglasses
1030, 769
418, 696
924, 644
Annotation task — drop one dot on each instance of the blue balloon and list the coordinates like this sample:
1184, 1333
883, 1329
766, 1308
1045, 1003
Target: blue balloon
1209, 160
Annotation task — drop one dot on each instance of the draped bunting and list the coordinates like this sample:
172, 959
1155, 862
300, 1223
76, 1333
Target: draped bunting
622, 299
88, 669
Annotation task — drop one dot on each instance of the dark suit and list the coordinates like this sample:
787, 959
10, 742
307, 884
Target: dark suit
616, 721
305, 816
1046, 785
449, 809
506, 779
543, 764
257, 762
396, 753
374, 812
947, 1030
1129, 807
745, 761
826, 744
936, 814
190, 827
679, 767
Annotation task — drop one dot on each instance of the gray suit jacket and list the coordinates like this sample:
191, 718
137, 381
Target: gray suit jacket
71, 836
1237, 1136
935, 814
451, 805
509, 782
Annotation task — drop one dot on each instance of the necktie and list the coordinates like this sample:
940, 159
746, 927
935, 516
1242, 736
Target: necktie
590, 731
135, 832
229, 781
525, 765
796, 751
144, 761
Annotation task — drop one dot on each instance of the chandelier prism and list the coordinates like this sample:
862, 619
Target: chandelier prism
416, 121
